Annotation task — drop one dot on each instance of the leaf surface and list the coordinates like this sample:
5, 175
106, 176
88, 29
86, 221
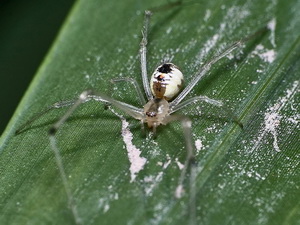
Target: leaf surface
248, 176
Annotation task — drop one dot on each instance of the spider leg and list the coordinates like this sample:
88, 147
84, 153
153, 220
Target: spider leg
144, 42
135, 85
56, 105
208, 100
84, 97
190, 162
143, 54
203, 70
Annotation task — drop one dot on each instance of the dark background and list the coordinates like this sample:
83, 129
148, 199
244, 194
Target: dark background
27, 30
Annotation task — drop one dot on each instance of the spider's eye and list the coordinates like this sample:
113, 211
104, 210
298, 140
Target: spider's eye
151, 114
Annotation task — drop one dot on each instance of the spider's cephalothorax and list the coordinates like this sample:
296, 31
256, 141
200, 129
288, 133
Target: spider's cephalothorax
156, 111
166, 81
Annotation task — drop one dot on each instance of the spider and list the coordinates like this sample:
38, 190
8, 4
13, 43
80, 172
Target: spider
164, 97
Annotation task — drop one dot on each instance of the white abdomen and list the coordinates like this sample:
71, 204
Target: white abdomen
166, 81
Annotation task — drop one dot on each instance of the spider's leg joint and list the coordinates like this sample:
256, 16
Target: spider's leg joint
52, 131
187, 123
84, 95
148, 13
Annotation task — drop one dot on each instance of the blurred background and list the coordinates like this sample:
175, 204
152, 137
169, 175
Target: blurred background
27, 30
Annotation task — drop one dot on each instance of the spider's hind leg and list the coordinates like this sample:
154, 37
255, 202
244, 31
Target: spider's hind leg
190, 163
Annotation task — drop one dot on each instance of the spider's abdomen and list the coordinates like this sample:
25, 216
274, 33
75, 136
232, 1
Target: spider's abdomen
166, 81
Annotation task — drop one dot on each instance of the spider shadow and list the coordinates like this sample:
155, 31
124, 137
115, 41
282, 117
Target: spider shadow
72, 119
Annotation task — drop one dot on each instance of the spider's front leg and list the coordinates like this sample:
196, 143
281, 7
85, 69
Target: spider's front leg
84, 97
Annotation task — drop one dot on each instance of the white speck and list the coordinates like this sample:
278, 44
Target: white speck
199, 145
159, 163
254, 82
106, 208
179, 191
267, 55
153, 181
103, 204
179, 164
207, 15
221, 186
230, 56
209, 44
259, 71
165, 165
116, 196
188, 124
168, 31
98, 58
272, 26
211, 129
294, 121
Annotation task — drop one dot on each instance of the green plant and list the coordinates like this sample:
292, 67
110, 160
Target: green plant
241, 178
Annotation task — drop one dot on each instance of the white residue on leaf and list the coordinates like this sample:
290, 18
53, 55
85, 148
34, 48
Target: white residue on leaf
152, 181
272, 117
179, 191
209, 44
199, 145
267, 55
109, 196
207, 15
272, 27
137, 162
272, 121
179, 164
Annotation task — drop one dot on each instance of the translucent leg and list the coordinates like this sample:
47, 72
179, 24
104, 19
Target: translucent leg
56, 105
63, 176
84, 97
202, 71
219, 104
144, 41
136, 87
190, 162
143, 54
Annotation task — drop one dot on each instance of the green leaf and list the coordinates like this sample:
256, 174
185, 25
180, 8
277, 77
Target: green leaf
248, 176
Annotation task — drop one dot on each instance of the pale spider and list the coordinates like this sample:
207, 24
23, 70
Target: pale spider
164, 98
